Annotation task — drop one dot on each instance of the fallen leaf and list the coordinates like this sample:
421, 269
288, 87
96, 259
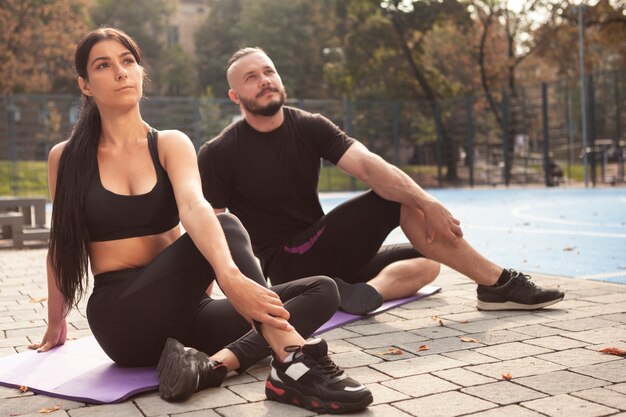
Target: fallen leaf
469, 340
507, 376
49, 410
613, 351
392, 351
422, 347
23, 388
37, 300
441, 323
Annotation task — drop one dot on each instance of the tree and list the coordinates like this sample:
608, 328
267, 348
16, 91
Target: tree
507, 38
146, 21
392, 35
216, 40
293, 33
38, 38
604, 34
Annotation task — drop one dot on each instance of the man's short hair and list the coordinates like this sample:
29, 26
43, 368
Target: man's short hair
241, 53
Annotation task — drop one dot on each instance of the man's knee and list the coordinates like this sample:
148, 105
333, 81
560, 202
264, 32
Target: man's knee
431, 270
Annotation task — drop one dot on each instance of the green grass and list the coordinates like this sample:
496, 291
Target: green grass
24, 178
30, 177
334, 179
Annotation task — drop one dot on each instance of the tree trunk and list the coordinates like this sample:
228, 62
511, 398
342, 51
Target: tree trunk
449, 152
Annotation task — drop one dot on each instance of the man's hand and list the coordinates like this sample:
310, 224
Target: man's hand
55, 335
439, 221
255, 302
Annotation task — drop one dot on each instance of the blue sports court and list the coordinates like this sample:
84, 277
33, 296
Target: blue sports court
557, 231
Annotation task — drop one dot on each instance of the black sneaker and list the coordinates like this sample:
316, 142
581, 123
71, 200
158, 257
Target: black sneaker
519, 293
359, 298
182, 372
313, 381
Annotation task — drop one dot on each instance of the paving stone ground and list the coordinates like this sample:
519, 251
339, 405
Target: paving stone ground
552, 355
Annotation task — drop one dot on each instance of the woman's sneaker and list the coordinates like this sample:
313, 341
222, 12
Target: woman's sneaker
185, 371
519, 293
313, 381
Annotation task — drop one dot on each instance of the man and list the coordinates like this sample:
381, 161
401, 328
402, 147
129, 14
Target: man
265, 170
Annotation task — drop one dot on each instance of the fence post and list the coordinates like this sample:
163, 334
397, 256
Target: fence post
505, 136
618, 128
439, 145
546, 144
592, 127
469, 155
12, 115
197, 124
395, 131
347, 126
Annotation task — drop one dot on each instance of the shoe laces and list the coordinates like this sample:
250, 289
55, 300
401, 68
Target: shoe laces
328, 367
526, 279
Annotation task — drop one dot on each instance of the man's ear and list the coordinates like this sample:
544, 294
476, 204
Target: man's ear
233, 96
84, 87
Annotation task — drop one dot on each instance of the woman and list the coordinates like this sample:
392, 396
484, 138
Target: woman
119, 188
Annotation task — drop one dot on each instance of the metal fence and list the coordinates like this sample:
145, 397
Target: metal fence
528, 136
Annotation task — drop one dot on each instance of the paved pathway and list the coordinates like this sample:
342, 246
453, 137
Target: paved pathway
552, 355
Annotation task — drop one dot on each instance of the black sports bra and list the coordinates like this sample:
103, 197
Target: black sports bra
111, 216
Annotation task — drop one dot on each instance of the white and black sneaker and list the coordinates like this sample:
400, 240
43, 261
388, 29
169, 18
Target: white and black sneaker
310, 379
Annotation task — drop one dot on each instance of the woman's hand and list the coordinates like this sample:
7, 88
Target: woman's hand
55, 335
255, 302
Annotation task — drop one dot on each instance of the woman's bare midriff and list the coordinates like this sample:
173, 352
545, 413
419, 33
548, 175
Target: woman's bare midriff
134, 252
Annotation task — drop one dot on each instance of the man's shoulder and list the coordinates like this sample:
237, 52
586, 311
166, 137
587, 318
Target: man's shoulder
298, 113
305, 118
224, 139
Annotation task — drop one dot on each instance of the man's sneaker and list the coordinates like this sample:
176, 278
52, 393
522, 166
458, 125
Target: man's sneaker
312, 380
359, 298
519, 293
184, 371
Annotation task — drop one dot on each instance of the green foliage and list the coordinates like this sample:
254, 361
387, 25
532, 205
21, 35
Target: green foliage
146, 22
293, 33
216, 40
38, 40
30, 178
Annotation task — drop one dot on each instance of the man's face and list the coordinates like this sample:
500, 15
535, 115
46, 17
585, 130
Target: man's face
256, 85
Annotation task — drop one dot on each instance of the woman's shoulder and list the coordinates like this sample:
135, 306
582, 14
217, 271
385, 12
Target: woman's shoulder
56, 151
173, 138
172, 135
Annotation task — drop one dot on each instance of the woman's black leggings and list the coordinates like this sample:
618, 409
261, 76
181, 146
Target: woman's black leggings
132, 312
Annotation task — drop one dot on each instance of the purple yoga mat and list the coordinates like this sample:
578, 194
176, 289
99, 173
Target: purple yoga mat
340, 318
80, 370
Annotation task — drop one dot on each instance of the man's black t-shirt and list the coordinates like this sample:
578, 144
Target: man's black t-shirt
269, 179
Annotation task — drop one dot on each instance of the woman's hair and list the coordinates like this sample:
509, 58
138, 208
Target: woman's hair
69, 241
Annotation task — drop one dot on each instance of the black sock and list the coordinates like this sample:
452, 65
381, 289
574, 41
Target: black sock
505, 276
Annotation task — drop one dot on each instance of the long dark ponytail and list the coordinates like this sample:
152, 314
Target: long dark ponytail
69, 238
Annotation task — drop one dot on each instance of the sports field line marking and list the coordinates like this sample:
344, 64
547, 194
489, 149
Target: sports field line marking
518, 212
546, 231
607, 275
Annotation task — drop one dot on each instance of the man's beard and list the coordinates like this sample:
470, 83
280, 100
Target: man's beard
270, 109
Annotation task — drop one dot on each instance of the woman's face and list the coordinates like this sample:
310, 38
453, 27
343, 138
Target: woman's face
114, 78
